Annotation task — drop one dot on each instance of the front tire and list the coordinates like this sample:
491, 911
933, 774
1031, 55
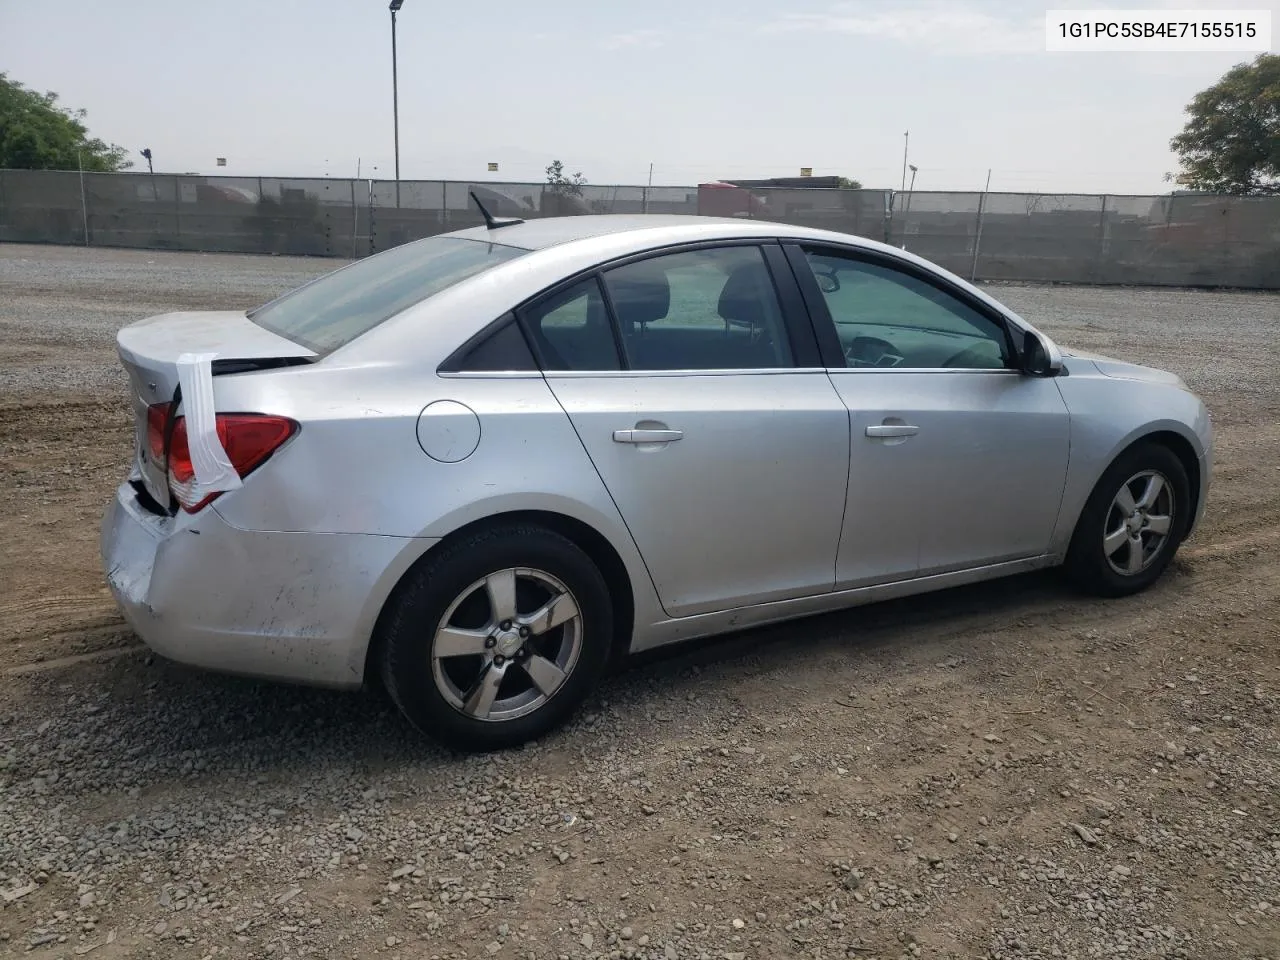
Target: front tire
497, 638
1132, 523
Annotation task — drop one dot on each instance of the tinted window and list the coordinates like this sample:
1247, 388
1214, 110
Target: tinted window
888, 318
712, 309
571, 329
334, 310
503, 349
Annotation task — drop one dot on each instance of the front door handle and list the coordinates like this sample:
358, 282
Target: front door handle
892, 430
646, 436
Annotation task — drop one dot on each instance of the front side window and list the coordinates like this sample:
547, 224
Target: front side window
707, 309
330, 312
888, 318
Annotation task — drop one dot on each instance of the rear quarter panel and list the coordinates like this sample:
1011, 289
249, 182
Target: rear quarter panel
356, 466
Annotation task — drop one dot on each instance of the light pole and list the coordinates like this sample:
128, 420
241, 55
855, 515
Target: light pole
395, 92
906, 208
906, 142
911, 189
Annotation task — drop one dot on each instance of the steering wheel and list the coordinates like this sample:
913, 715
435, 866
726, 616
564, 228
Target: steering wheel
872, 352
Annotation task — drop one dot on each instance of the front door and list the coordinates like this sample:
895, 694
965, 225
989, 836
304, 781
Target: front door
957, 460
727, 462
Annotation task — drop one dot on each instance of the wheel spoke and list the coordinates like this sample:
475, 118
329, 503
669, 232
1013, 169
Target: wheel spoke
1155, 483
1124, 500
458, 642
1114, 541
481, 697
501, 589
546, 676
1158, 524
1134, 564
559, 610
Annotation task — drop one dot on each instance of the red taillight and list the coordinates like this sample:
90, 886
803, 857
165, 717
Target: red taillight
248, 438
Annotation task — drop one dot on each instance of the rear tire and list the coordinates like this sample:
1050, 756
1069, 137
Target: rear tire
497, 638
1132, 523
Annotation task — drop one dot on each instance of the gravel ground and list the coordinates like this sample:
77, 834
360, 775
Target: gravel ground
1007, 770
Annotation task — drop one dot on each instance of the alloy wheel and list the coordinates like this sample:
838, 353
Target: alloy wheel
491, 661
1138, 523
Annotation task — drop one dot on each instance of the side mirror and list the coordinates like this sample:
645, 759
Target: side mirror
1040, 356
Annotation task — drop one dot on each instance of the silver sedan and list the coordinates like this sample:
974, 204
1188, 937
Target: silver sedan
475, 468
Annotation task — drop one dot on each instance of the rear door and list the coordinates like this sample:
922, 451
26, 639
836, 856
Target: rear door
958, 460
696, 389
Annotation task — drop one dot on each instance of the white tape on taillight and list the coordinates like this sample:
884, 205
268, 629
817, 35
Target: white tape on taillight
213, 470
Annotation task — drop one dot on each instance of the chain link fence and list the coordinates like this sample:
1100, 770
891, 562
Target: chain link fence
308, 217
1178, 240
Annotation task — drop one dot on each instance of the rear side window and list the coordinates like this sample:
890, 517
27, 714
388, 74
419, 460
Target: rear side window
708, 309
571, 329
500, 350
332, 311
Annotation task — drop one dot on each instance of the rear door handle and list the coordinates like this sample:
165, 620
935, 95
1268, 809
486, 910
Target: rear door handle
646, 436
892, 430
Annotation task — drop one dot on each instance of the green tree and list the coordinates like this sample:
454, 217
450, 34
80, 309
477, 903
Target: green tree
1231, 143
847, 183
38, 134
562, 185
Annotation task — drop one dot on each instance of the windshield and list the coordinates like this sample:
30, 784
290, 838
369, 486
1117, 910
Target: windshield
335, 309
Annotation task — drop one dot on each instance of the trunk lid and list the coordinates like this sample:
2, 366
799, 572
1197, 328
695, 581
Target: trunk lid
149, 351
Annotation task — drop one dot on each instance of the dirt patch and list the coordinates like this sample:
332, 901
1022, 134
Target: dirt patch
1004, 770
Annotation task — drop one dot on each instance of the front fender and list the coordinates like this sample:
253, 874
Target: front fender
1110, 415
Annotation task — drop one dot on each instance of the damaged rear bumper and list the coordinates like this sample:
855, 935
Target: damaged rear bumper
297, 607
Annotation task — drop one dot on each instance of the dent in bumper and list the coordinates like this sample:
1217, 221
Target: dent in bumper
298, 607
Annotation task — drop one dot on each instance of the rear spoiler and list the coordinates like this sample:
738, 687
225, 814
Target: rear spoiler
219, 367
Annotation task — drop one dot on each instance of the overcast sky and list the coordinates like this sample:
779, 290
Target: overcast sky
699, 88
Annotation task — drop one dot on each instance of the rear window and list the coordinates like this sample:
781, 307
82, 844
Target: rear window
335, 309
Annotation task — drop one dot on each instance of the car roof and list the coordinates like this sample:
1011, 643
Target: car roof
650, 230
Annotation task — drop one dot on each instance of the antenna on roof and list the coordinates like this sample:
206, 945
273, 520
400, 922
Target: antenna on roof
490, 221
